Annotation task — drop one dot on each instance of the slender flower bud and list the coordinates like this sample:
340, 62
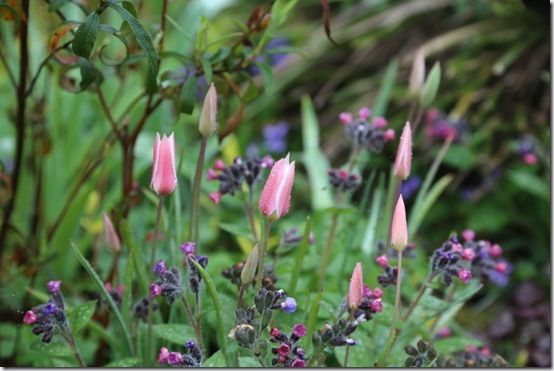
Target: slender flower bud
249, 269
164, 177
54, 286
403, 162
355, 291
212, 175
378, 293
382, 261
110, 235
417, 76
275, 198
215, 197
208, 116
399, 229
219, 165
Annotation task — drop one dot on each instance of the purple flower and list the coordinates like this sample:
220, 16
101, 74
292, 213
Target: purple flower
159, 267
289, 305
30, 317
410, 186
298, 363
174, 358
284, 349
155, 290
464, 275
275, 137
299, 330
54, 286
49, 309
188, 248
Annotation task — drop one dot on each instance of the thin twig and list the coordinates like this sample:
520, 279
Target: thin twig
108, 113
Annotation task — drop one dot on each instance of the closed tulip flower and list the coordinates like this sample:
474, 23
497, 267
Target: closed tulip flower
355, 291
403, 162
275, 199
399, 230
164, 177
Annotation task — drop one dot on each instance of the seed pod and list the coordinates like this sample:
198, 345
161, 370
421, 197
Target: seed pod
249, 269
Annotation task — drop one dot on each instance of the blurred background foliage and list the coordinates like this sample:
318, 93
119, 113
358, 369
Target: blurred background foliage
495, 58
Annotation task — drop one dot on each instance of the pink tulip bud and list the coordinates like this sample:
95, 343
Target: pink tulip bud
355, 292
275, 198
382, 261
380, 122
215, 197
212, 175
468, 235
399, 229
364, 113
164, 177
403, 163
219, 165
110, 235
345, 118
389, 135
30, 317
208, 116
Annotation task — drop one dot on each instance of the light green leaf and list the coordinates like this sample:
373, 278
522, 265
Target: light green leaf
55, 349
267, 73
175, 333
124, 362
207, 68
215, 360
453, 344
431, 86
531, 183
380, 106
249, 362
80, 316
85, 36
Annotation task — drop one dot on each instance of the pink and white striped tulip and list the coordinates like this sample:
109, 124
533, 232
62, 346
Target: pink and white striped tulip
356, 289
403, 162
275, 198
399, 228
164, 177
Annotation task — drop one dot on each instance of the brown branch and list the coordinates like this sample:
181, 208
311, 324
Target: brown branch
20, 122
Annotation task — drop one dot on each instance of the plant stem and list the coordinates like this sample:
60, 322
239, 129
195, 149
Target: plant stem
20, 121
195, 208
73, 344
327, 250
447, 299
263, 252
152, 261
241, 295
420, 293
346, 353
193, 323
250, 214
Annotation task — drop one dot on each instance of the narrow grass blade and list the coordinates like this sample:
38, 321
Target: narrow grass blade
423, 208
299, 259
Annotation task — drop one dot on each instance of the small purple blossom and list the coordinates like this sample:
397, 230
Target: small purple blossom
464, 275
299, 330
289, 305
50, 309
155, 290
188, 248
382, 261
468, 235
54, 286
275, 137
159, 267
30, 317
410, 186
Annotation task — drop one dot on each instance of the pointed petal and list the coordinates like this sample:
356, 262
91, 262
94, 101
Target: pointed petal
399, 228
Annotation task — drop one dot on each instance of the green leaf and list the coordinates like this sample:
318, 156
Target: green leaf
215, 360
267, 73
188, 96
80, 316
207, 68
221, 335
238, 230
314, 160
418, 214
460, 157
137, 257
369, 245
249, 362
55, 349
143, 39
453, 344
531, 183
88, 73
124, 362
174, 333
90, 270
85, 36
383, 97
299, 258
431, 86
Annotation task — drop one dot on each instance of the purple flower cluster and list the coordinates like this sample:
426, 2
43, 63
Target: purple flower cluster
189, 250
470, 259
341, 179
287, 352
191, 358
231, 178
366, 131
372, 303
169, 283
50, 317
140, 310
390, 273
439, 127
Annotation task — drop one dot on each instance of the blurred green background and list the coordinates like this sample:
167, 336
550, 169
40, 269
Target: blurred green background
495, 58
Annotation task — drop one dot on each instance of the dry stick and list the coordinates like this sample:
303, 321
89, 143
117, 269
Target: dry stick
152, 260
20, 121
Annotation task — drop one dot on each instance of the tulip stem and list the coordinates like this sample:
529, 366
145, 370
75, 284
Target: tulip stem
327, 251
195, 208
263, 252
152, 261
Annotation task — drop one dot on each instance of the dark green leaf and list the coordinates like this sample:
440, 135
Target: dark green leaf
89, 74
80, 316
531, 183
174, 333
188, 95
207, 67
85, 36
143, 39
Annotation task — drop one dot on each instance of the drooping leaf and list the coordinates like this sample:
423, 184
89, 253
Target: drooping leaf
55, 39
85, 36
89, 74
